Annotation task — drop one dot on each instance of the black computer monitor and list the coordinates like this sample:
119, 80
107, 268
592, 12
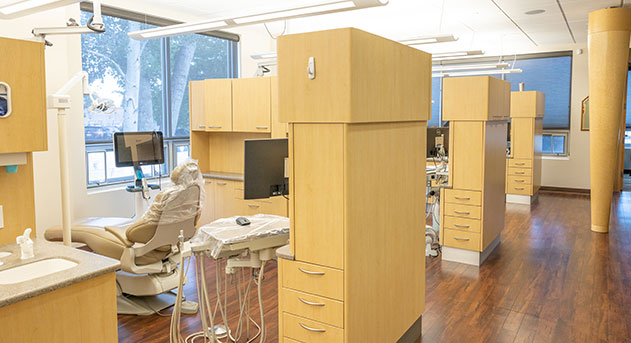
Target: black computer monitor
264, 168
134, 149
436, 136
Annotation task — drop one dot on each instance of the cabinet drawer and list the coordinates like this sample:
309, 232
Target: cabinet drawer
289, 340
306, 330
310, 278
471, 225
458, 196
313, 307
520, 171
517, 163
463, 211
519, 180
520, 189
461, 239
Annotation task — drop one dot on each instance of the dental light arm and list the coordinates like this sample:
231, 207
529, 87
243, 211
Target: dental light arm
94, 25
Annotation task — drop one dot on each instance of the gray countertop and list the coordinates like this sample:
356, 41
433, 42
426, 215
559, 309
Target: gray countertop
223, 175
90, 266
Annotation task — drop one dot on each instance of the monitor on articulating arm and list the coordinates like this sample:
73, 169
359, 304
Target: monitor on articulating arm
136, 149
264, 168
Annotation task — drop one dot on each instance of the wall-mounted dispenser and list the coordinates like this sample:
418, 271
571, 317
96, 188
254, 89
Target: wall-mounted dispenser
5, 100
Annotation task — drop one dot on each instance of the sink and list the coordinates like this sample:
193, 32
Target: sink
4, 254
34, 270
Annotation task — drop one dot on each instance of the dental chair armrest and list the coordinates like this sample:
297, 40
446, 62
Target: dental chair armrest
117, 232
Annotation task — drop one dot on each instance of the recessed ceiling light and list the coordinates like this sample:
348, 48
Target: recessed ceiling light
534, 12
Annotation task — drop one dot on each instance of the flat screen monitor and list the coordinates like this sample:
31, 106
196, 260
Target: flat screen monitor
264, 168
437, 136
133, 149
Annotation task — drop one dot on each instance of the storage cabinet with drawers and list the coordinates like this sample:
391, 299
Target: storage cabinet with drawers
472, 209
523, 174
356, 208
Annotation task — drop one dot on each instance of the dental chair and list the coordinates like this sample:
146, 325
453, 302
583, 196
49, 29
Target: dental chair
147, 248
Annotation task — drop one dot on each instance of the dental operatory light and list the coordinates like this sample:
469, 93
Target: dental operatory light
479, 72
256, 18
26, 7
94, 25
429, 39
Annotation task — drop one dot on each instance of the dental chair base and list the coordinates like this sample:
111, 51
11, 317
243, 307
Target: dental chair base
474, 258
137, 293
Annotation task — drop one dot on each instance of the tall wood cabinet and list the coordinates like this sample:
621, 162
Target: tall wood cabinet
356, 267
472, 208
523, 173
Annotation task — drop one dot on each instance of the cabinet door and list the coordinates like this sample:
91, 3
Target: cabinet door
251, 104
522, 142
279, 130
466, 154
218, 104
197, 109
22, 68
208, 206
226, 204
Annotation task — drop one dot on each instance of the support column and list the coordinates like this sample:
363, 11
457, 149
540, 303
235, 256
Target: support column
608, 45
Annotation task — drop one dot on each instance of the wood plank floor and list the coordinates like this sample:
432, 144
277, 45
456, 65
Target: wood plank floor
550, 280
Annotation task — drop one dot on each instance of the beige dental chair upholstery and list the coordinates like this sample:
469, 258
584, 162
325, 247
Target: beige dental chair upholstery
147, 248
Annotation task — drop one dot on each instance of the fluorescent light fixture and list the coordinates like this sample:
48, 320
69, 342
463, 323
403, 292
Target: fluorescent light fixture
457, 54
324, 7
295, 13
264, 56
429, 39
25, 7
479, 72
458, 67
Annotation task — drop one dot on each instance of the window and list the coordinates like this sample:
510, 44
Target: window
628, 103
437, 104
148, 83
554, 144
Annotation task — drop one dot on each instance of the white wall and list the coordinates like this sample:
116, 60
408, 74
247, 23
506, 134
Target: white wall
63, 60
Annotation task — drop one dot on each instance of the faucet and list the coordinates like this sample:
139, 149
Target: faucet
26, 245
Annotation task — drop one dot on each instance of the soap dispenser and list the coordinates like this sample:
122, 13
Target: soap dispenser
26, 245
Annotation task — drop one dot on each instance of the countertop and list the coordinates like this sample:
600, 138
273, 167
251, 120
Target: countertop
90, 266
223, 175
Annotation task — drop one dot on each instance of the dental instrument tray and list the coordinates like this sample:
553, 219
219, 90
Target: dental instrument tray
224, 238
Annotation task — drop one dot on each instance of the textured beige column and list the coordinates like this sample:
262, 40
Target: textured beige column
608, 44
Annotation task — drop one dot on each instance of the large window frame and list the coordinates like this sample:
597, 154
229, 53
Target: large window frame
174, 143
511, 59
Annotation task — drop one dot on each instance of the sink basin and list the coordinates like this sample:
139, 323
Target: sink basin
34, 270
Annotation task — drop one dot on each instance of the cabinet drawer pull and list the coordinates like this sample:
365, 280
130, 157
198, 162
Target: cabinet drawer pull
520, 163
254, 206
519, 173
462, 212
222, 183
463, 198
310, 272
461, 239
519, 188
214, 127
311, 329
462, 226
202, 126
309, 302
262, 127
520, 181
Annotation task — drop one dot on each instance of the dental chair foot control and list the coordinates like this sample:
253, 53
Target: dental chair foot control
189, 307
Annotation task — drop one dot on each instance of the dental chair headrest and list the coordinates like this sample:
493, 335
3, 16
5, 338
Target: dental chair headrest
186, 173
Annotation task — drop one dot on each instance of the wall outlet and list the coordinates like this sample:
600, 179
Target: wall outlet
1, 218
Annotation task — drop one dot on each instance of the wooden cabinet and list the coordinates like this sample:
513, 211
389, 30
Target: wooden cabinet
210, 104
523, 176
279, 130
22, 69
208, 208
251, 107
472, 212
357, 224
477, 98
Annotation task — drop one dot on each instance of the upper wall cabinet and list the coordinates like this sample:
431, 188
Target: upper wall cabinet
476, 98
251, 107
22, 74
211, 105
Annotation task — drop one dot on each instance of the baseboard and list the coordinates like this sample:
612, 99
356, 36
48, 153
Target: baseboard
470, 257
564, 189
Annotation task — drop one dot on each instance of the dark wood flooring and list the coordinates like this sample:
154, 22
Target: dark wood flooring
550, 280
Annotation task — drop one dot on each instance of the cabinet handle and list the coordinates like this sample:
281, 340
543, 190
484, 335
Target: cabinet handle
462, 212
214, 127
520, 164
463, 198
309, 302
519, 173
461, 239
202, 126
311, 329
262, 127
221, 183
462, 226
519, 181
254, 206
519, 188
310, 272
